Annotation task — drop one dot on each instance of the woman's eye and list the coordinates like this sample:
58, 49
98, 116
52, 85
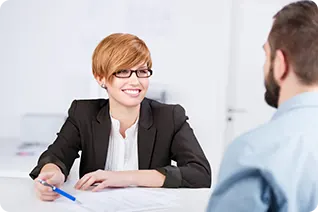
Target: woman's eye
123, 72
143, 71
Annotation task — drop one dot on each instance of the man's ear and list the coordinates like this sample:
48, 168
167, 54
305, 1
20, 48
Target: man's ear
280, 66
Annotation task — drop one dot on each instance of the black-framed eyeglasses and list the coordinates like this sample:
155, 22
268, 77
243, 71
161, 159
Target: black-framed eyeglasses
141, 73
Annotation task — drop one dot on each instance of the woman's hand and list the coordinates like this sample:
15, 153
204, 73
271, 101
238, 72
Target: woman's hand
46, 193
106, 179
53, 175
142, 178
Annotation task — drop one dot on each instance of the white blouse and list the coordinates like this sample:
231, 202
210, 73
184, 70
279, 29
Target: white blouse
122, 152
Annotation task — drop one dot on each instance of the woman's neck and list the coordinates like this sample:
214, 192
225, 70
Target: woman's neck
127, 116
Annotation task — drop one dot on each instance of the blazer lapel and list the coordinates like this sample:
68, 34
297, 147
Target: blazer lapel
101, 133
146, 135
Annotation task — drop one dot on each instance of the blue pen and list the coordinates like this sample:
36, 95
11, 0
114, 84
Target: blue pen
59, 191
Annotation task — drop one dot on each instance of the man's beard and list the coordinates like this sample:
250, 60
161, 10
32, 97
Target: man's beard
272, 89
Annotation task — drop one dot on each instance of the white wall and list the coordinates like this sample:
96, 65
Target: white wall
46, 48
252, 21
202, 52
44, 58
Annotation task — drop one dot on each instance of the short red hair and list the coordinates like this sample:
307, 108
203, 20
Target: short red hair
119, 51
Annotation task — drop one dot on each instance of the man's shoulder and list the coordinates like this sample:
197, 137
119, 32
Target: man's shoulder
246, 151
251, 143
252, 136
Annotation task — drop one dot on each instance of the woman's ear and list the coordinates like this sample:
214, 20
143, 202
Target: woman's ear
101, 81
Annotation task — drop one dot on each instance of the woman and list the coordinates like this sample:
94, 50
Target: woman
126, 140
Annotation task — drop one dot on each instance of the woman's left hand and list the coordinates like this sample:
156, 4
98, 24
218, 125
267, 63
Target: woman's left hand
106, 179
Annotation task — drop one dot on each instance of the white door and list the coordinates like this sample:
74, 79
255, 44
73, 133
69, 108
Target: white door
246, 105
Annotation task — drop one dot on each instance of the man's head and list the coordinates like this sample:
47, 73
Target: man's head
291, 51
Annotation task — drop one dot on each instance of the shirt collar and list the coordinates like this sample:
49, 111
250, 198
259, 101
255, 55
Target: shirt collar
306, 99
116, 125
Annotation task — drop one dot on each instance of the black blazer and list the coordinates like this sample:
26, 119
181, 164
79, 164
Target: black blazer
163, 135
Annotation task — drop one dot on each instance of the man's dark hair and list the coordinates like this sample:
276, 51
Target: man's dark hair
295, 33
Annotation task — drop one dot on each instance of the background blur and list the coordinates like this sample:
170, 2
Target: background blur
207, 56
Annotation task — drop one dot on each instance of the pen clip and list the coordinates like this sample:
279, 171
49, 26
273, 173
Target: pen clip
46, 184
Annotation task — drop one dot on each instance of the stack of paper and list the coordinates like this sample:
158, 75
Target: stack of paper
122, 200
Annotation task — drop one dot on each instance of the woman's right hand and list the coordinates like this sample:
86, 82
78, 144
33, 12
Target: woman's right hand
46, 193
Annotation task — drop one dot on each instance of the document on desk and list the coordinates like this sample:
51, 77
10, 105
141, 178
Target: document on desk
123, 200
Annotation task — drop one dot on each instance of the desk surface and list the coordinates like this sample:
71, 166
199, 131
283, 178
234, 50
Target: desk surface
17, 194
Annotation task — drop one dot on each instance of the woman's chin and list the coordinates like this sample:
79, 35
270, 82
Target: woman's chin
132, 102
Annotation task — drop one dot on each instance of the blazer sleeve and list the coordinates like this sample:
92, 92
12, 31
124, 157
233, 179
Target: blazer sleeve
193, 169
64, 149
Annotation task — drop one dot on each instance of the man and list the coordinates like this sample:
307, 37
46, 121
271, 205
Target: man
275, 166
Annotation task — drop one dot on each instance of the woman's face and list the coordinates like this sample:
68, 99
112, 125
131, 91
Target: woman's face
129, 91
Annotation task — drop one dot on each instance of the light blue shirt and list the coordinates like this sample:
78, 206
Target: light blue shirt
275, 166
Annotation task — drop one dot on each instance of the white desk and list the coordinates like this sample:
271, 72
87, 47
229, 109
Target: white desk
17, 195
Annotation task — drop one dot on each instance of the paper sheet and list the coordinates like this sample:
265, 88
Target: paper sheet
122, 200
